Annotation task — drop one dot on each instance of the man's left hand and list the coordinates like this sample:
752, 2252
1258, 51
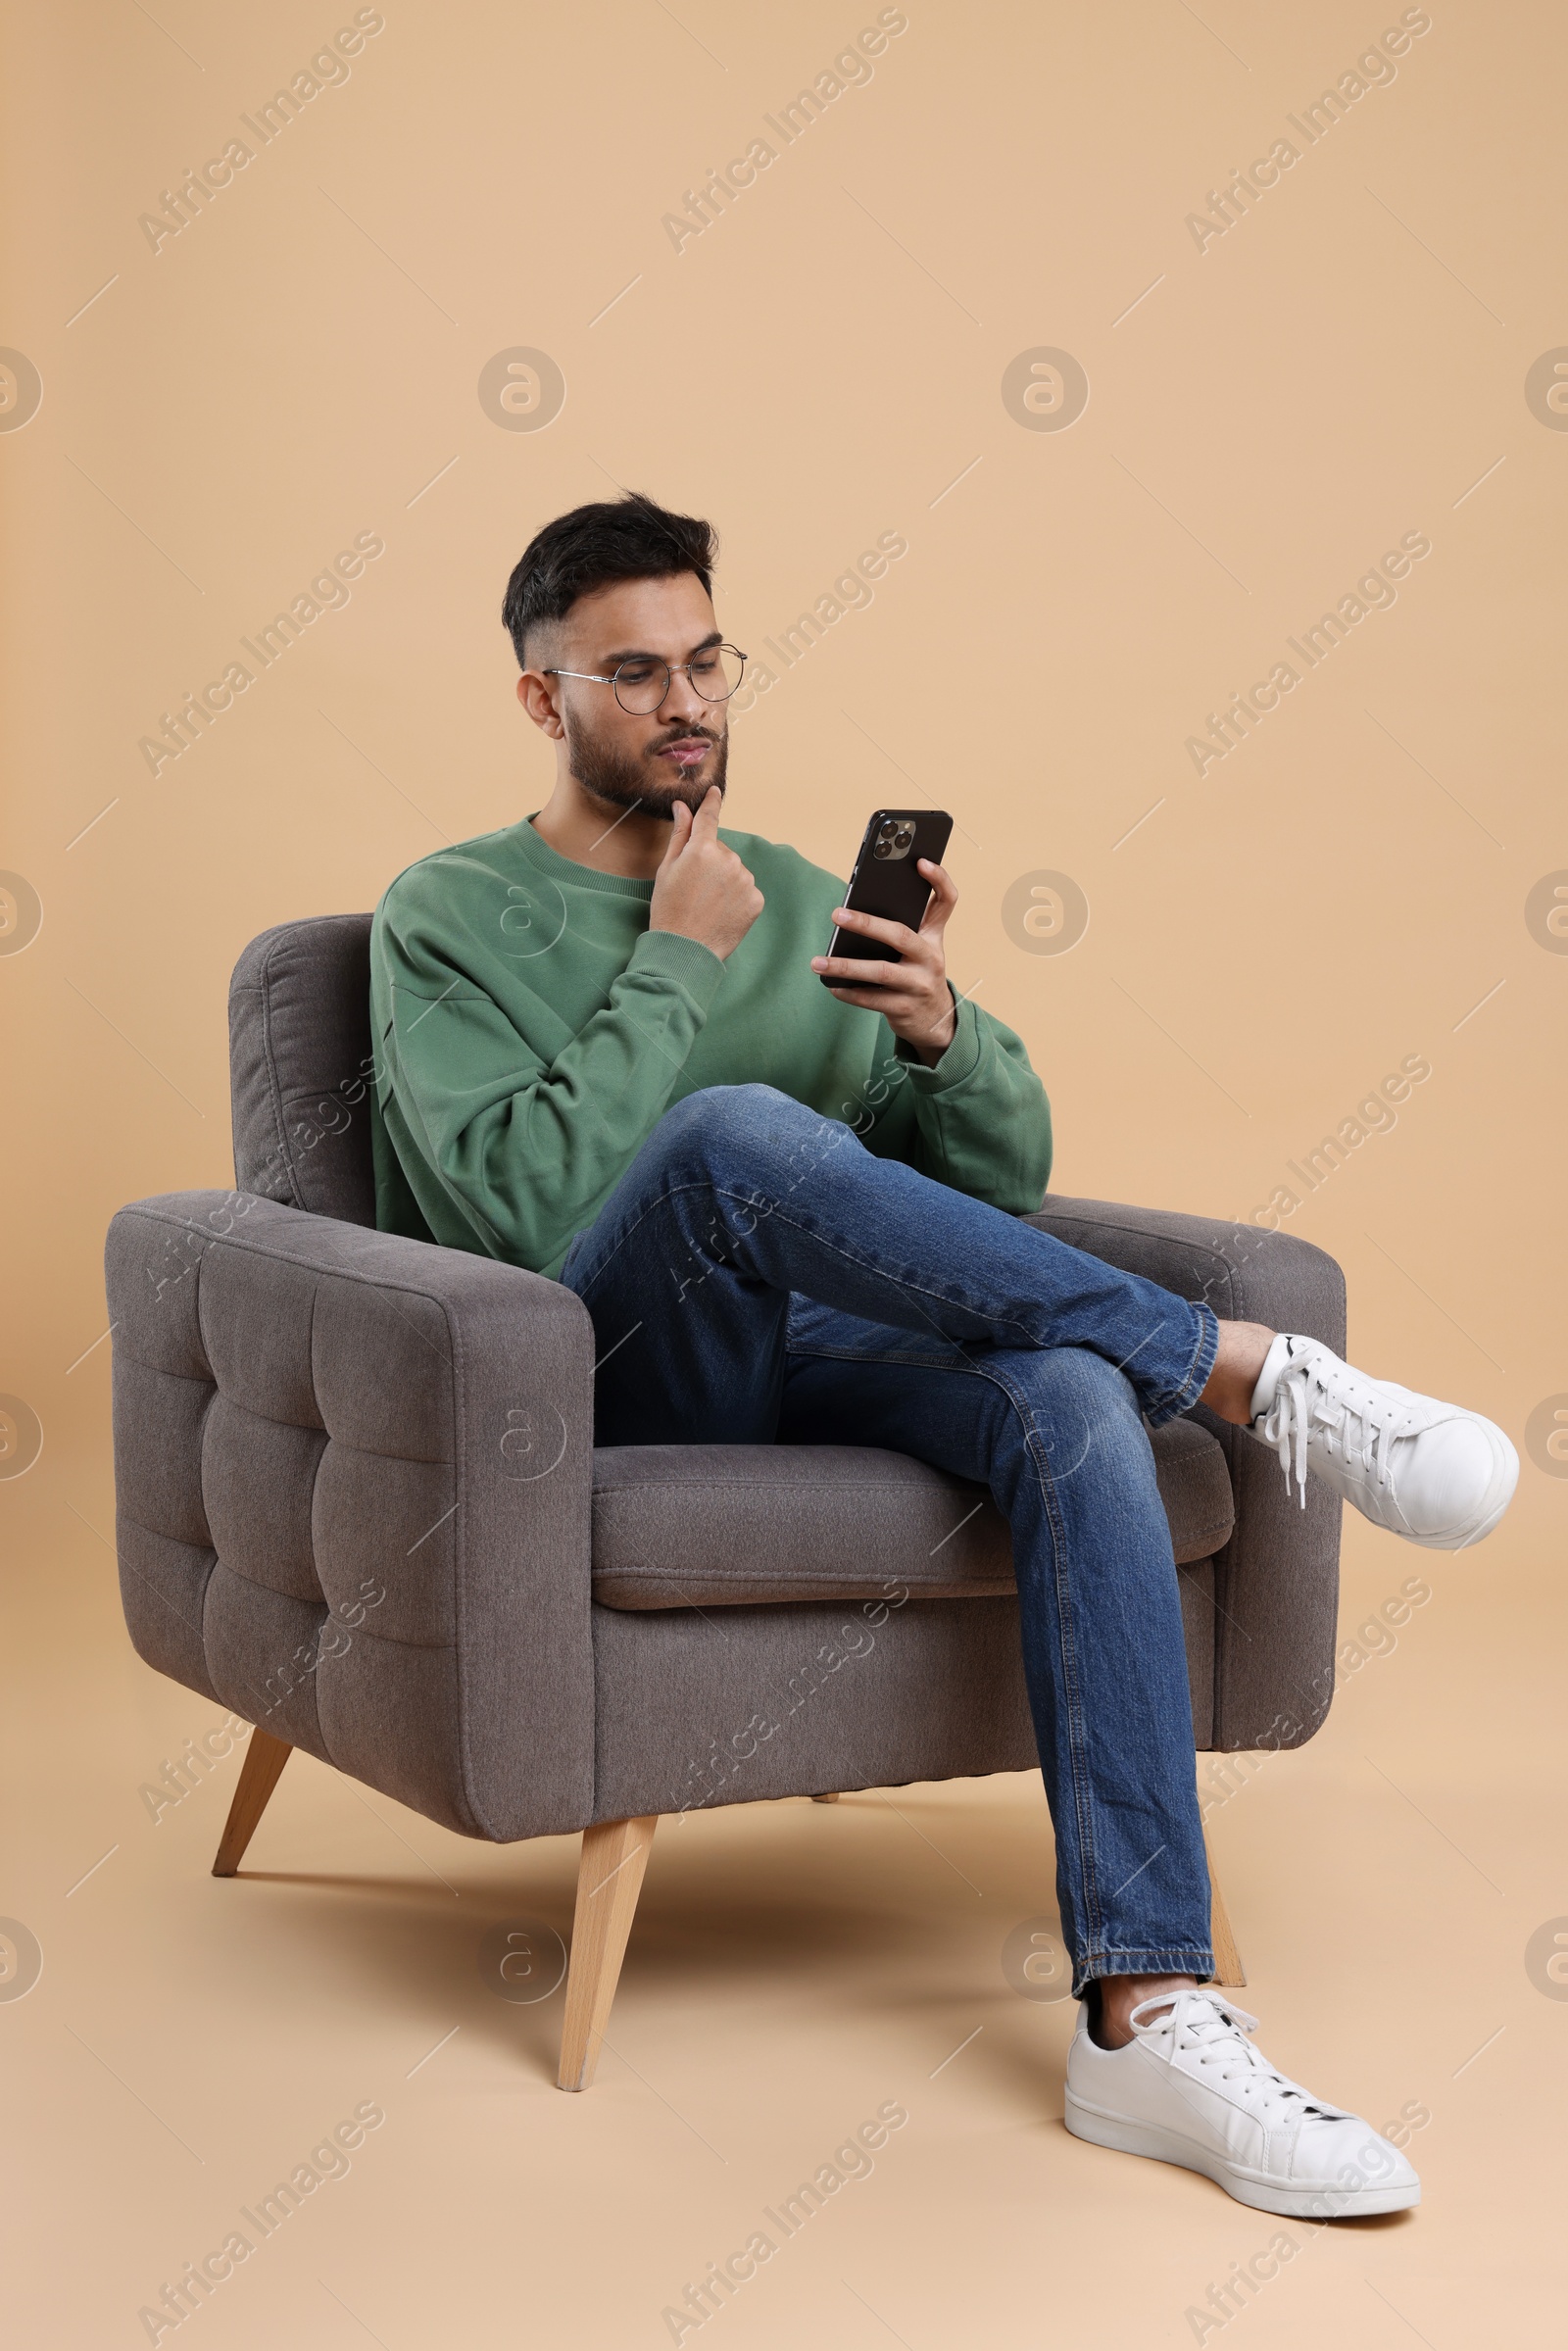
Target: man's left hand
913, 996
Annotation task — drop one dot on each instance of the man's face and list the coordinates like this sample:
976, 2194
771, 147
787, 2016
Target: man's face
649, 762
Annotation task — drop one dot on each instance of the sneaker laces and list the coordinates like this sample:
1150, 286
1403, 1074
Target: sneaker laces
1218, 2031
1318, 1393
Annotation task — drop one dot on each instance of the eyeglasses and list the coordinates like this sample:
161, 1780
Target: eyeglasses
642, 684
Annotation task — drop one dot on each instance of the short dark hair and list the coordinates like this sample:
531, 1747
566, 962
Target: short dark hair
621, 538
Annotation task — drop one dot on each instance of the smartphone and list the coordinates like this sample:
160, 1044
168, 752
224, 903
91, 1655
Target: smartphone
887, 879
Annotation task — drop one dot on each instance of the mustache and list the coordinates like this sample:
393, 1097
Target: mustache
681, 734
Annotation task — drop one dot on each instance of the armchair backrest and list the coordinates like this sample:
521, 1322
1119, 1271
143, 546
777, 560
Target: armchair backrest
301, 1066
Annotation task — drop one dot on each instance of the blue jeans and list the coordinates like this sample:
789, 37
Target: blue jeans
759, 1275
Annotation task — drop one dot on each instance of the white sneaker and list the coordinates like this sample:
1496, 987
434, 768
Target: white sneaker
1191, 2088
1431, 1472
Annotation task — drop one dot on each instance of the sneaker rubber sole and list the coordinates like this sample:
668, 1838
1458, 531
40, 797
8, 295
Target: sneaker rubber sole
1127, 2136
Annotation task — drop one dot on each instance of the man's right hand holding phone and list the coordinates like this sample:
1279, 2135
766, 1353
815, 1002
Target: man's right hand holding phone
913, 996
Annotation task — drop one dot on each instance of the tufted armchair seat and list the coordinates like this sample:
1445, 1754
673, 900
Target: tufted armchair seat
359, 1503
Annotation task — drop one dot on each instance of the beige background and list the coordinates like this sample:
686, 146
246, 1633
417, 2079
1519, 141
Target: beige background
1347, 888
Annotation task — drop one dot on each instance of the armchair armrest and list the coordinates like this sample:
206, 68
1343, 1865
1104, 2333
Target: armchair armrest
1277, 1579
353, 1480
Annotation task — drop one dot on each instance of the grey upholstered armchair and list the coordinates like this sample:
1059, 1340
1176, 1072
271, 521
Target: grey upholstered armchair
360, 1504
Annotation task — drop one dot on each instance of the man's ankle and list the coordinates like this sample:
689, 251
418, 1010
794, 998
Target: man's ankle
1243, 1349
1109, 2001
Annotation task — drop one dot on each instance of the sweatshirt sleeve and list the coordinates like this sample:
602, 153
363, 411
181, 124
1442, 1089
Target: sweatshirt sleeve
511, 1130
979, 1120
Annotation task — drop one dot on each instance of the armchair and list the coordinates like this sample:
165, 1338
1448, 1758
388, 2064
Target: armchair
359, 1503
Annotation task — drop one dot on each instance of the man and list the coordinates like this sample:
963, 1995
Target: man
792, 1210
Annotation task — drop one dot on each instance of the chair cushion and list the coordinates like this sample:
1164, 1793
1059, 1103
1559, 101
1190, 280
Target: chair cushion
703, 1526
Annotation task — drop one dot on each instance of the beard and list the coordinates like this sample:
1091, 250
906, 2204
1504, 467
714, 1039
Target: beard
628, 781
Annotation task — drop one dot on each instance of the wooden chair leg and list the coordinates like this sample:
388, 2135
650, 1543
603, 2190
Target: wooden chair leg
1227, 1968
609, 1878
265, 1759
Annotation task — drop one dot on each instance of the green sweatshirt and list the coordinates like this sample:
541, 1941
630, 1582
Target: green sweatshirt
531, 1032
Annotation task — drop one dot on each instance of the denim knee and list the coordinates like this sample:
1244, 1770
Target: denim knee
718, 1125
1082, 1406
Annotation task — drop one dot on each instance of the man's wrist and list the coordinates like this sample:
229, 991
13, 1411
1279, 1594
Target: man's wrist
672, 930
929, 1045
677, 955
930, 1055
